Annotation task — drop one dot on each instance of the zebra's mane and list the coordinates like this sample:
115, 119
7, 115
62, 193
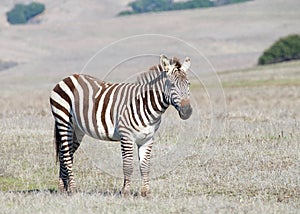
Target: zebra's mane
155, 72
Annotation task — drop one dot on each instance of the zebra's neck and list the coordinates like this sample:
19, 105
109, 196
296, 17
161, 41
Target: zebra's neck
154, 82
151, 76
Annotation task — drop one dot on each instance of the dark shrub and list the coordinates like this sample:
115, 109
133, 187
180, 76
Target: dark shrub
16, 15
192, 4
21, 13
285, 49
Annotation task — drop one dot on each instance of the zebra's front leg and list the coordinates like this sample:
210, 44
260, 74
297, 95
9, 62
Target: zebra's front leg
127, 156
144, 159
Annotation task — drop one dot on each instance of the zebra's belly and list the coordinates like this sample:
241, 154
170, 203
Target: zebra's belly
110, 136
102, 136
144, 134
99, 130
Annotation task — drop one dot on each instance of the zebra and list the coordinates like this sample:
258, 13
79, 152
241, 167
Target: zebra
126, 112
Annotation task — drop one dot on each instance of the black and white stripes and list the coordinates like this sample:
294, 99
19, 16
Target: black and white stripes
126, 112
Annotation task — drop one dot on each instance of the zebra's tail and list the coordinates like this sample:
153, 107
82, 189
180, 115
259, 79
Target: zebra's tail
56, 141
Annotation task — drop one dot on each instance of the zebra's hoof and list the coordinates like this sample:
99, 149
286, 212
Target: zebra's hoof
125, 192
145, 193
72, 190
62, 190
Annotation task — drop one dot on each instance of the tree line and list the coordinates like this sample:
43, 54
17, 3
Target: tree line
145, 6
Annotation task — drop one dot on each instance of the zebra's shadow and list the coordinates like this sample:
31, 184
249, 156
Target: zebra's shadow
35, 191
52, 191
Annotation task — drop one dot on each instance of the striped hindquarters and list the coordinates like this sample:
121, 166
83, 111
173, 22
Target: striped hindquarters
87, 103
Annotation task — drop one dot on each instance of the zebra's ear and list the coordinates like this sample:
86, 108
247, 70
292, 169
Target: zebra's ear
164, 62
186, 64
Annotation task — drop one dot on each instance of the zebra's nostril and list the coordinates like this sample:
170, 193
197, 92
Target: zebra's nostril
185, 102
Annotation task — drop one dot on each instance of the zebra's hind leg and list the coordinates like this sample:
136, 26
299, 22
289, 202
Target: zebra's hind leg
77, 138
64, 137
144, 159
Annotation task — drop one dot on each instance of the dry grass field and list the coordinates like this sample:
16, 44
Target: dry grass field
254, 167
242, 158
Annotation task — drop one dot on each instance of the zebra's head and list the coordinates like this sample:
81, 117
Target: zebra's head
177, 85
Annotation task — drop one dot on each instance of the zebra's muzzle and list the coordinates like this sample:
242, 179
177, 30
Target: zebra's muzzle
185, 110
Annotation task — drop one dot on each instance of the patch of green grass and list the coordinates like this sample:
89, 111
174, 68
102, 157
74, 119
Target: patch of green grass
250, 83
10, 183
14, 184
259, 69
284, 74
260, 83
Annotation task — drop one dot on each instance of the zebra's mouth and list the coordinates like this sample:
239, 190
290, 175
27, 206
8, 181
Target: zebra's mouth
185, 112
